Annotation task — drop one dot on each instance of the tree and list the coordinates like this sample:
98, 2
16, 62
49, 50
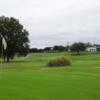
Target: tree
33, 50
47, 49
15, 35
59, 48
77, 47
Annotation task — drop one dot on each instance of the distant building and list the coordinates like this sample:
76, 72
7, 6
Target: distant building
94, 48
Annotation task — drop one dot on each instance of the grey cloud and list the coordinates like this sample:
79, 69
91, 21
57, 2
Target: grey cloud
51, 22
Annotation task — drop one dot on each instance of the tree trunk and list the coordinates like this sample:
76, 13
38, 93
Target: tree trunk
4, 58
7, 58
4, 55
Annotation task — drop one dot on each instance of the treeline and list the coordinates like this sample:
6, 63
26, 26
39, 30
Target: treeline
75, 47
49, 49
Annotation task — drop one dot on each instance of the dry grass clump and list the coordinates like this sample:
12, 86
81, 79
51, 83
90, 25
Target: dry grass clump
62, 61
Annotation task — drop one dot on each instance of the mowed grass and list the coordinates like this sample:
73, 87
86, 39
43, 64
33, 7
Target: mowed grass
30, 78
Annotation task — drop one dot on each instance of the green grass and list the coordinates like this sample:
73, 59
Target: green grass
30, 79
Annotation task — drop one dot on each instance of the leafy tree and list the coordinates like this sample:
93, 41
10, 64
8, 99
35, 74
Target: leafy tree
56, 48
59, 48
15, 35
47, 49
33, 50
77, 47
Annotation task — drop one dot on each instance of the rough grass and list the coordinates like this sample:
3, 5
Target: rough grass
30, 79
57, 62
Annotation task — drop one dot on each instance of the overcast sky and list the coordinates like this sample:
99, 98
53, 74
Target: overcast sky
51, 22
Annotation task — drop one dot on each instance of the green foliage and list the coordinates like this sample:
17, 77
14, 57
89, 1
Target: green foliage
77, 47
59, 48
15, 35
63, 61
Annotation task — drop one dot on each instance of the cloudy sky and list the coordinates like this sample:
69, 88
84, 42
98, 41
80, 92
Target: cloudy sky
51, 22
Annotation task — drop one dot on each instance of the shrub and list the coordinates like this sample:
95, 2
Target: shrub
63, 61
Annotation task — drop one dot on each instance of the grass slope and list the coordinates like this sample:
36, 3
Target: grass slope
30, 79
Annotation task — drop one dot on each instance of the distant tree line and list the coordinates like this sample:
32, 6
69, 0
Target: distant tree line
75, 47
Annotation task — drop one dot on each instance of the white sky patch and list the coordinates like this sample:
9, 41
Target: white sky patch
52, 22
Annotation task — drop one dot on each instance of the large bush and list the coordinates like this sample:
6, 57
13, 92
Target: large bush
62, 61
